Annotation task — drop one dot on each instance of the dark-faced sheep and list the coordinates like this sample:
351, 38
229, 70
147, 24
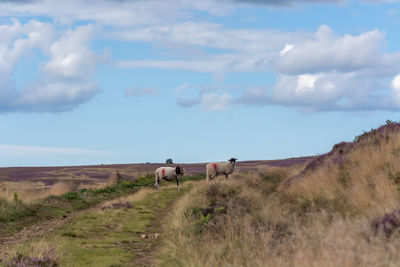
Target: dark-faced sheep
220, 168
169, 174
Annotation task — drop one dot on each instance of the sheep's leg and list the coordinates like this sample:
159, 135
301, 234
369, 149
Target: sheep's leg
157, 184
177, 183
226, 176
156, 181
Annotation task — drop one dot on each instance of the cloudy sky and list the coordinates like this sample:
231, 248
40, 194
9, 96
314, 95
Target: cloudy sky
122, 81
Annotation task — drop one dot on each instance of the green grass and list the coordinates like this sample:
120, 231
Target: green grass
112, 237
11, 211
14, 215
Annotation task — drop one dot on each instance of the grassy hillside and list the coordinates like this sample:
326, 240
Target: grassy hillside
342, 209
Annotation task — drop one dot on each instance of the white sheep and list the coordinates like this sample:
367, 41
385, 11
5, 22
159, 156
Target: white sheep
169, 174
217, 168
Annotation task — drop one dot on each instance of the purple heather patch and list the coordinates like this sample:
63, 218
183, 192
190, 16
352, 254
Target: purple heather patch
387, 223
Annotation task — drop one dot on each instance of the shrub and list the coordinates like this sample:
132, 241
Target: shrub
12, 211
71, 196
106, 190
128, 184
148, 179
16, 197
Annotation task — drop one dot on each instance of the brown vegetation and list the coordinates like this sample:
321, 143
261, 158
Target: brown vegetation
342, 211
364, 181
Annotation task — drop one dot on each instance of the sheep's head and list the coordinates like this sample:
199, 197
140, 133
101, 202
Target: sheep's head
179, 170
233, 160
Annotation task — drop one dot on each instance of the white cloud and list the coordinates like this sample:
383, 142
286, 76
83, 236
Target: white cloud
112, 13
261, 50
215, 64
321, 69
17, 40
396, 82
215, 102
395, 86
70, 56
254, 96
63, 81
56, 96
333, 91
306, 82
326, 51
286, 49
209, 101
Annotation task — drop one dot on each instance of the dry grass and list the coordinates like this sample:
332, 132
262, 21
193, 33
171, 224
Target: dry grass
25, 191
114, 178
128, 199
38, 253
365, 183
29, 192
256, 220
61, 188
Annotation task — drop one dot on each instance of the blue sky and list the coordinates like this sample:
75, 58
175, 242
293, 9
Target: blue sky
112, 81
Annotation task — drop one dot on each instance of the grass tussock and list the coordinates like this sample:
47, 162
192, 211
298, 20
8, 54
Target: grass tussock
39, 253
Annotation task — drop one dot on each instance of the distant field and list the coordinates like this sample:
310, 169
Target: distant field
100, 173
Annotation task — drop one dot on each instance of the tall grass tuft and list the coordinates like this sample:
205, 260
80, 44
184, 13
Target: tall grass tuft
41, 253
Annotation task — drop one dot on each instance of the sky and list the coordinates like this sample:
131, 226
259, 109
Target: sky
131, 81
